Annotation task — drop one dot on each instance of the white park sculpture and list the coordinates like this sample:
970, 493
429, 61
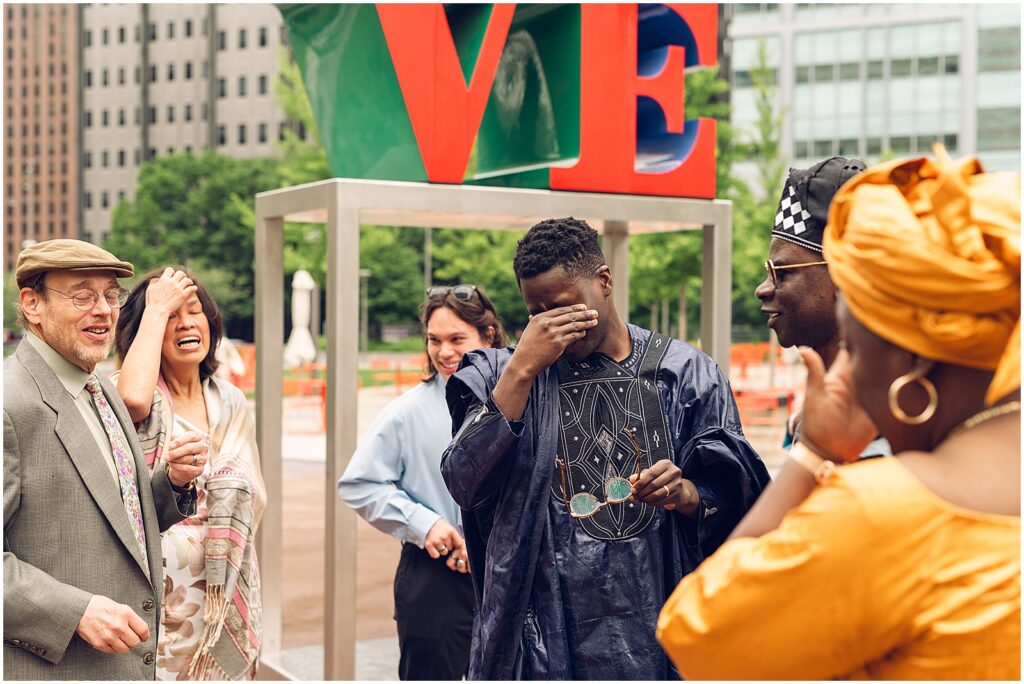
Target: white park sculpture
301, 348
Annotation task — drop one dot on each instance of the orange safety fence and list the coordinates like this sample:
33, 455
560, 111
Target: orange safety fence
764, 407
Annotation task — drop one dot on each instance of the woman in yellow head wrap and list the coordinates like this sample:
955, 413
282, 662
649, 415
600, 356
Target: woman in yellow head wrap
889, 568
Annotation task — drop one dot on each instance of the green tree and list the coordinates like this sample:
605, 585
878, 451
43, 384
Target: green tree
482, 258
197, 211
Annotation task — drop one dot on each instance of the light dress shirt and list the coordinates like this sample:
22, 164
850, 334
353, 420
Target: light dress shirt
394, 478
73, 379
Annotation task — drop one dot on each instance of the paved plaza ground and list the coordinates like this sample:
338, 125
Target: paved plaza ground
376, 555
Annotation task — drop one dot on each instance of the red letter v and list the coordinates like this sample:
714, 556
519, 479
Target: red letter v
444, 113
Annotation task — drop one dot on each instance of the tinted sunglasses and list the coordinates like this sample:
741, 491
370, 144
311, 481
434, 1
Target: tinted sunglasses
461, 292
772, 269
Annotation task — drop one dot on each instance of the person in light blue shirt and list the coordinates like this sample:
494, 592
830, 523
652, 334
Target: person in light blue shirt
394, 482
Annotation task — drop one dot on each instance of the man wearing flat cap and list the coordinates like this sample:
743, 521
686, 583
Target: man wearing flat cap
797, 294
83, 512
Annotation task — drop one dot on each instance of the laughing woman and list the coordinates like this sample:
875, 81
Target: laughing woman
166, 339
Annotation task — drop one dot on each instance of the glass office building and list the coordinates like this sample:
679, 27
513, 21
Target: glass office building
877, 80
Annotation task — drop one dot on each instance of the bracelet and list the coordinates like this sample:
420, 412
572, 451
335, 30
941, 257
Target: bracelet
820, 468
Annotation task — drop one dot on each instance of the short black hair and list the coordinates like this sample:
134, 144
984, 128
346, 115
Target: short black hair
566, 242
131, 317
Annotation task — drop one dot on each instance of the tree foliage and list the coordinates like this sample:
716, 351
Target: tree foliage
197, 211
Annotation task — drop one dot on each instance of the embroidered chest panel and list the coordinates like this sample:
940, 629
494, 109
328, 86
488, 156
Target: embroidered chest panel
608, 413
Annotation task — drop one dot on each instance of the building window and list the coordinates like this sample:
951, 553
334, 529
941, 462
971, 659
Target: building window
188, 71
121, 156
188, 149
900, 145
87, 39
138, 73
138, 116
105, 159
87, 160
902, 68
104, 78
927, 66
121, 117
849, 72
206, 113
823, 148
152, 153
222, 88
152, 115
952, 64
999, 49
170, 150
824, 73
120, 76
137, 156
170, 72
222, 40
170, 113
221, 135
241, 39
241, 134
120, 195
803, 74
999, 129
136, 33
241, 86
263, 84
105, 200
152, 31
105, 118
152, 73
188, 112
263, 133
170, 30
121, 37
206, 69
188, 28
263, 36
849, 148
87, 200
87, 78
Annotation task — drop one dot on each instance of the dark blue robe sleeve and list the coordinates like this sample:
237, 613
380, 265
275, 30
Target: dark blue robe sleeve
713, 454
474, 464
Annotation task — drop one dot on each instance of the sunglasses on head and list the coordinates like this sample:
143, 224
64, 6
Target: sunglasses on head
461, 292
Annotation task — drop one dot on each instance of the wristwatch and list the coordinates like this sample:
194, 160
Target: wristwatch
820, 468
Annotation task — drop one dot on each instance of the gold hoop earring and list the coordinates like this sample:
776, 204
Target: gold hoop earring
894, 398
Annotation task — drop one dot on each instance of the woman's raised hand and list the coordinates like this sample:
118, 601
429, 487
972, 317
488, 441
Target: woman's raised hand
833, 421
170, 291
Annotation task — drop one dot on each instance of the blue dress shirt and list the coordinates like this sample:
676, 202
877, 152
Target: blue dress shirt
394, 478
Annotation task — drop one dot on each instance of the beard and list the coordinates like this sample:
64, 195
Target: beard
64, 339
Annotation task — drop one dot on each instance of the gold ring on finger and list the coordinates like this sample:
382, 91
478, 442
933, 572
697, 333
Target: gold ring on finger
195, 459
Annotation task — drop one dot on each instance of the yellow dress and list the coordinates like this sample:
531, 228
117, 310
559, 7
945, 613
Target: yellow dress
872, 577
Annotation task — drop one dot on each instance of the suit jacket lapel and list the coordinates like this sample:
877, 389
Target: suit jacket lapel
82, 449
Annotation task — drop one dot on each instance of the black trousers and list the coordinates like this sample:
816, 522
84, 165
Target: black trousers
434, 612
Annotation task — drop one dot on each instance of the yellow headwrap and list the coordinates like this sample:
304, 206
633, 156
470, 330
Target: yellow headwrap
927, 255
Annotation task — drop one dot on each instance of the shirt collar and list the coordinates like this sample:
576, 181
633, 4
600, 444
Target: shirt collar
71, 376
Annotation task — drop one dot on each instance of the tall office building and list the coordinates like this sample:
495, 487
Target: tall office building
40, 132
869, 80
170, 78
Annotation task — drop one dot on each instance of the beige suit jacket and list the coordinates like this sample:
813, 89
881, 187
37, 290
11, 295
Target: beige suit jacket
66, 533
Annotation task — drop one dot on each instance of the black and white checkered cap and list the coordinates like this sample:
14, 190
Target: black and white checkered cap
803, 209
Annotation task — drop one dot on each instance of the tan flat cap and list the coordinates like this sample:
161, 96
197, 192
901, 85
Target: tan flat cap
67, 255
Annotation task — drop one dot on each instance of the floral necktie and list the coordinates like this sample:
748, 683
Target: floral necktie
125, 466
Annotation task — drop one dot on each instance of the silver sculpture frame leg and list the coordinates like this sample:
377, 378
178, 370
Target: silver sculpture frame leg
344, 205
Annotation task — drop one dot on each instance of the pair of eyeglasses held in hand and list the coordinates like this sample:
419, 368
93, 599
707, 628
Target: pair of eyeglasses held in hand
617, 489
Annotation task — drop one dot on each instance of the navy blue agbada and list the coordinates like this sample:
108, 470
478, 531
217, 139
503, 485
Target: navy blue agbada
568, 598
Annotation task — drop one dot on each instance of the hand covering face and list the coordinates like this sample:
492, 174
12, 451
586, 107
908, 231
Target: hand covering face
927, 255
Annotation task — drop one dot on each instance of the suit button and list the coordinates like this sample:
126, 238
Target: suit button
148, 659
147, 605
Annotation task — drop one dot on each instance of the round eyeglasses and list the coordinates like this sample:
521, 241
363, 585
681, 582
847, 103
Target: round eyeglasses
772, 269
461, 292
84, 300
617, 489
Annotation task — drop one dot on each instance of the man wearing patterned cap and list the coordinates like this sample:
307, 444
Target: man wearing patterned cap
82, 513
798, 295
